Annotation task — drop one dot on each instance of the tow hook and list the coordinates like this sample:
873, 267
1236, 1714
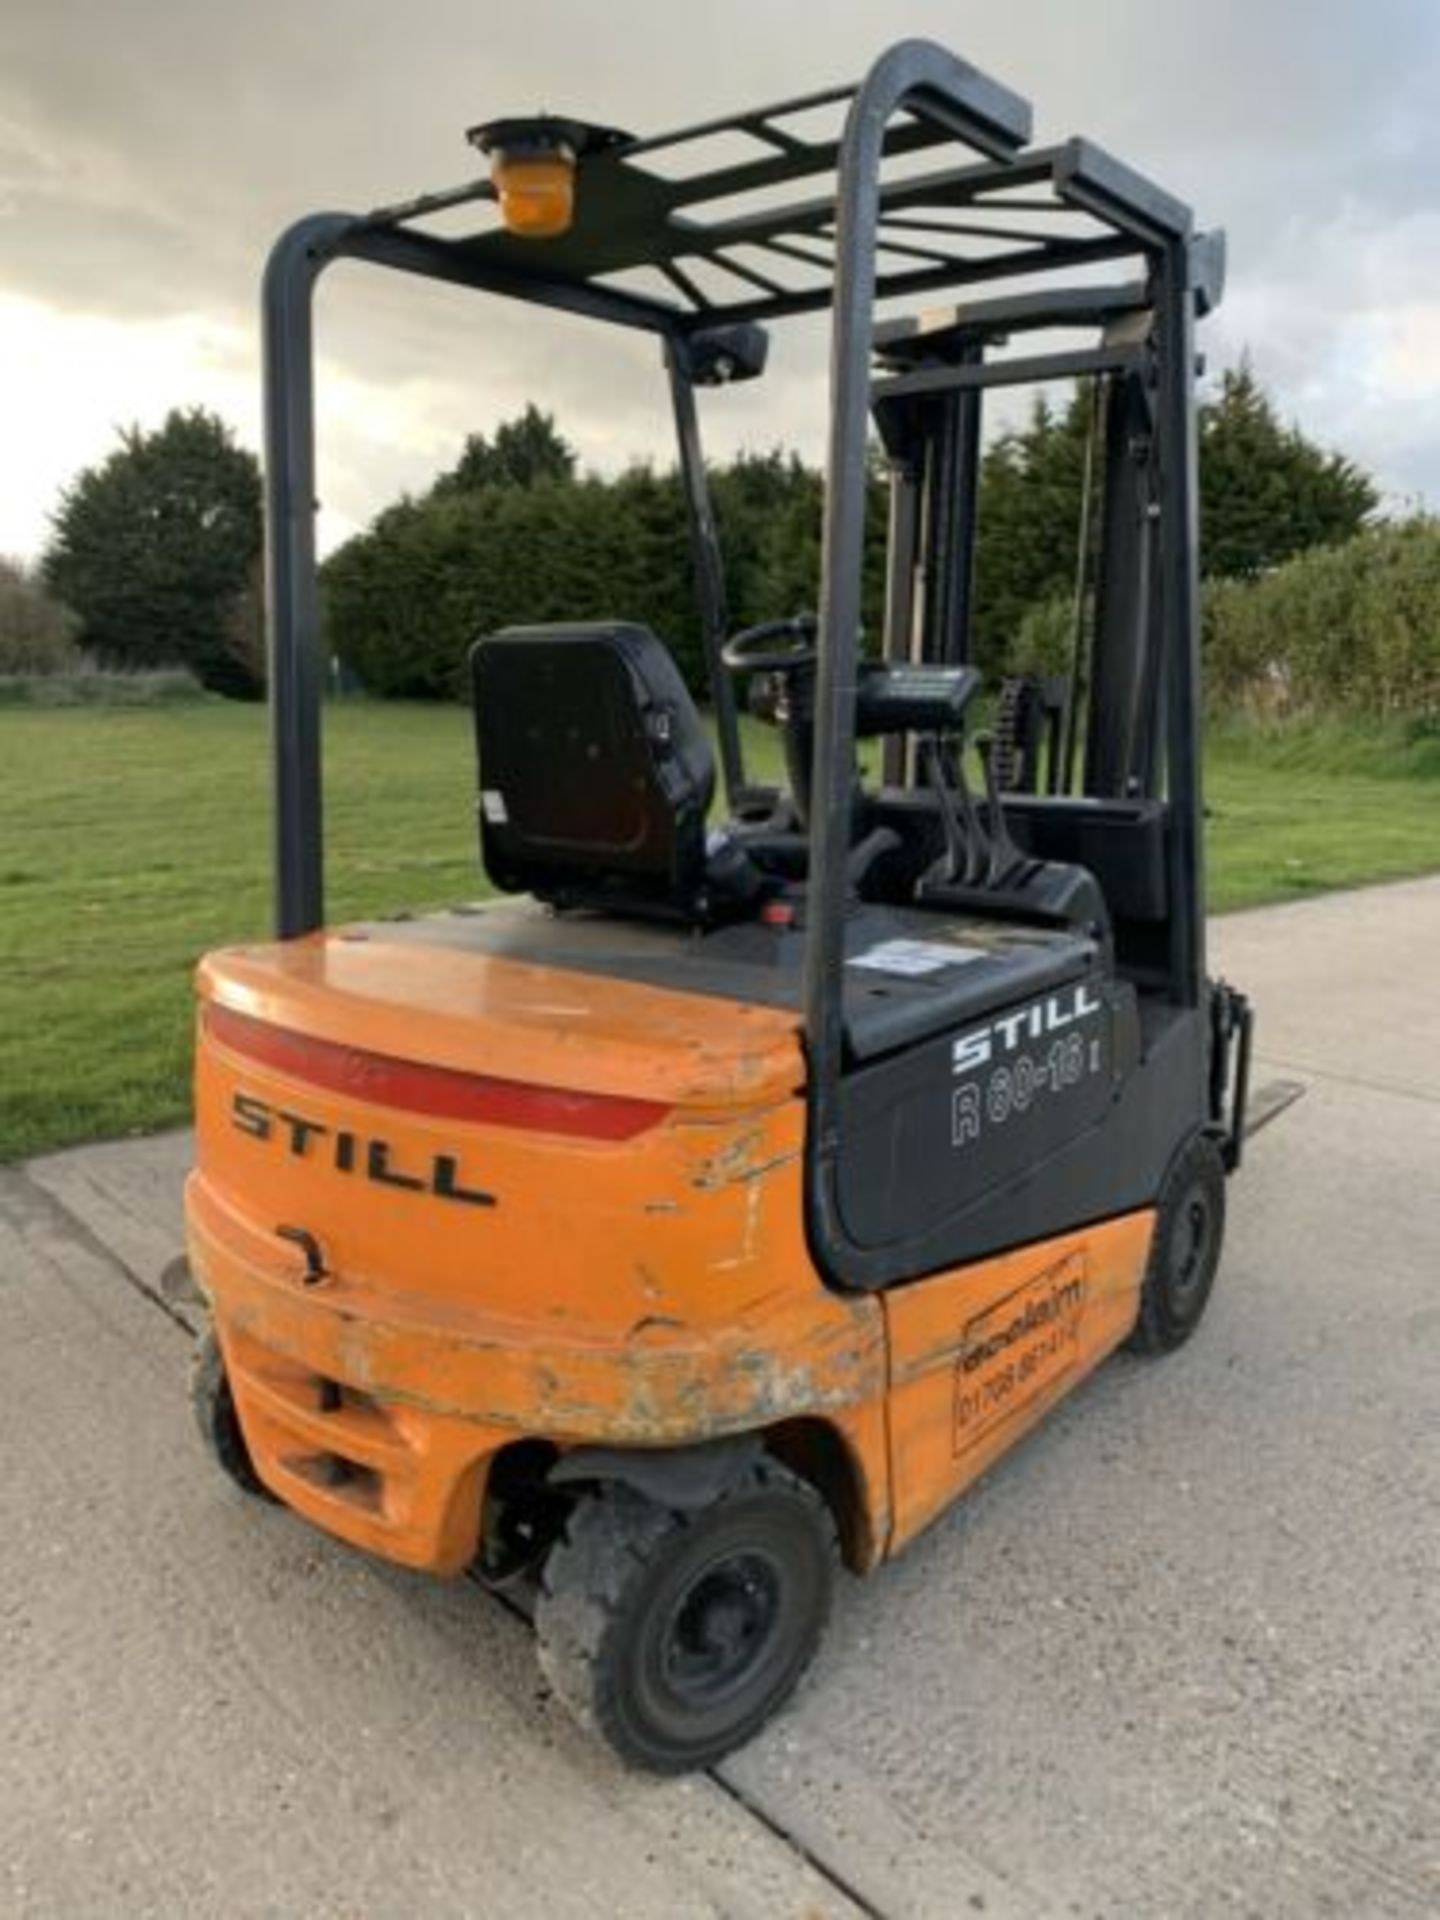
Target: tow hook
315, 1267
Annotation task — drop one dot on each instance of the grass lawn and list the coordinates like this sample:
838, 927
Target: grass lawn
132, 840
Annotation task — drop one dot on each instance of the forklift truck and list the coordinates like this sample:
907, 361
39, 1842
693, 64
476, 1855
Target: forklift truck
723, 1199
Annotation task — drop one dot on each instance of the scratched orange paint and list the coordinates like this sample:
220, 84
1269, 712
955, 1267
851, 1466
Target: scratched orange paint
645, 1292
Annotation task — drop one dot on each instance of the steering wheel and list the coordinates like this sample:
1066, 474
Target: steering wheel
752, 649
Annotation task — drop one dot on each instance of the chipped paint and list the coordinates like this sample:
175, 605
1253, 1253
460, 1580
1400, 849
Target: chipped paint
652, 1295
737, 1159
767, 1167
649, 1324
648, 1281
748, 1250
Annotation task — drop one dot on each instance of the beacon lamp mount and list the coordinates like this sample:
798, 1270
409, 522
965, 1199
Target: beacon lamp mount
533, 166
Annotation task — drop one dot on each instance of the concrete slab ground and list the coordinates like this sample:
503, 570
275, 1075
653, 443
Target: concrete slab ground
208, 1711
1176, 1655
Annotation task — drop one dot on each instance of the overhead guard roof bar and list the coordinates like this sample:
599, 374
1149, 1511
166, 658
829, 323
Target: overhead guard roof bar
651, 221
644, 219
1023, 371
901, 343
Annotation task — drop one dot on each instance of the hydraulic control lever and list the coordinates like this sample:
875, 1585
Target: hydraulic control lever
967, 851
1004, 855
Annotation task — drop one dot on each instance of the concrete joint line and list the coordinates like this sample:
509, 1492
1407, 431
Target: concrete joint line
71, 1227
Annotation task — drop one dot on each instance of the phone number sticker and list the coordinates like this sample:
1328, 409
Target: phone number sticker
1016, 1347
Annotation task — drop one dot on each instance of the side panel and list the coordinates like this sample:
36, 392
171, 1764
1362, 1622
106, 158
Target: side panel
1044, 1176
939, 1129
978, 1356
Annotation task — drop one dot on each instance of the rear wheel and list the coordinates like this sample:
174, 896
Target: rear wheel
677, 1635
1189, 1231
215, 1415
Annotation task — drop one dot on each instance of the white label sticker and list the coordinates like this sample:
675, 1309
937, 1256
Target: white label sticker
912, 957
493, 803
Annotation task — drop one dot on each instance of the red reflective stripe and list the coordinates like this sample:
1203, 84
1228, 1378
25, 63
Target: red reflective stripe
440, 1092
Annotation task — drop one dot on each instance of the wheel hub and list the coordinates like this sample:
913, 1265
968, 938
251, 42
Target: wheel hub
720, 1627
1192, 1244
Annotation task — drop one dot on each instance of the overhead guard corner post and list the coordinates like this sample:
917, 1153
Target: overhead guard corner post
1180, 597
709, 569
291, 593
900, 592
994, 120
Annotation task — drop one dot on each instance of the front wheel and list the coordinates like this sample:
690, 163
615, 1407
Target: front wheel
1189, 1230
677, 1635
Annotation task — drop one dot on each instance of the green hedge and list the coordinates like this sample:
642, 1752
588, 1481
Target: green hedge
91, 686
37, 633
405, 599
1350, 630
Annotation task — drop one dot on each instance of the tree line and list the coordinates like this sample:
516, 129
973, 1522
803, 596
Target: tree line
156, 549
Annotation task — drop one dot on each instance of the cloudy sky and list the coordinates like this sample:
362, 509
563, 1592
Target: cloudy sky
151, 149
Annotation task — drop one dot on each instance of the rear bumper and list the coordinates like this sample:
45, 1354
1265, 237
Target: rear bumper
375, 1414
403, 1484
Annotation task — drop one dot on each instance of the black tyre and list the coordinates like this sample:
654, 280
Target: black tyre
215, 1415
677, 1635
1189, 1233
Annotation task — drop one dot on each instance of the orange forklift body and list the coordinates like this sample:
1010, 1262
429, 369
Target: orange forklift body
780, 1163
564, 1208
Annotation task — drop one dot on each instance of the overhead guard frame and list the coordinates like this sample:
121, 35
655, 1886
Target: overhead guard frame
946, 101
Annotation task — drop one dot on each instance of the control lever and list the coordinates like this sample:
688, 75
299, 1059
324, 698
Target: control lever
962, 829
1005, 856
862, 857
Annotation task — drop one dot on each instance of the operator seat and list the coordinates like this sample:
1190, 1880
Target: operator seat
597, 776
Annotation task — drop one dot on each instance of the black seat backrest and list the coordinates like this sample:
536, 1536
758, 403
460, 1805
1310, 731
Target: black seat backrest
596, 775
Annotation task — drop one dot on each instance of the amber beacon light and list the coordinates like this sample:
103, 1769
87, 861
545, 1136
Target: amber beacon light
532, 166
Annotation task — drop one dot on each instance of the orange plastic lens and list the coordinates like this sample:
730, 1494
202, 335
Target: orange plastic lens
537, 194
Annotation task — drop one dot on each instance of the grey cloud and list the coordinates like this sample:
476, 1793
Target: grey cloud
149, 152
